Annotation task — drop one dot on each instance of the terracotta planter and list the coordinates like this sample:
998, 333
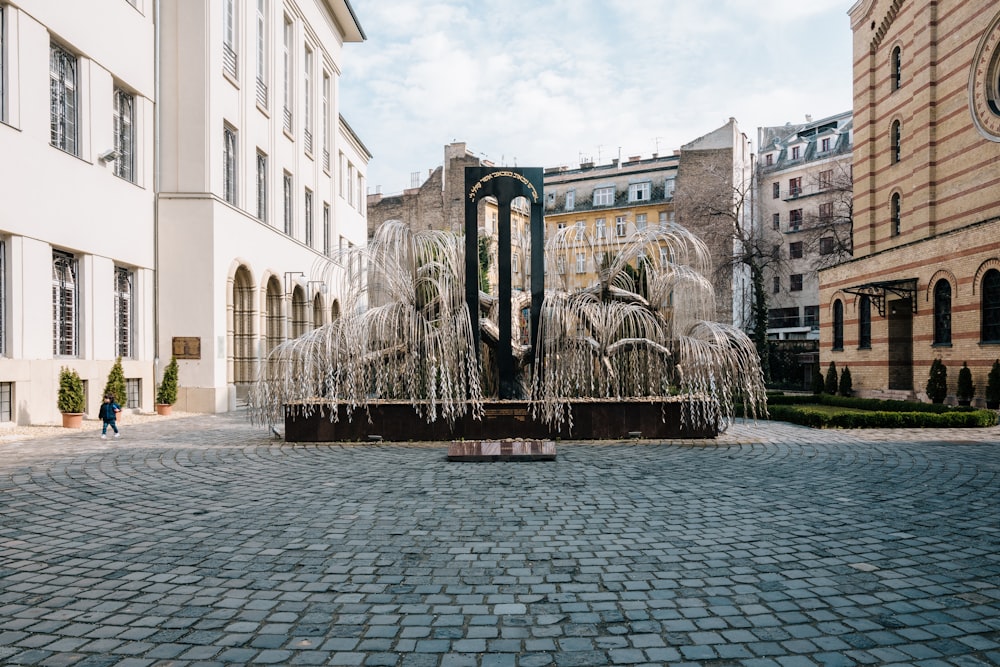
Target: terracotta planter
164, 409
72, 419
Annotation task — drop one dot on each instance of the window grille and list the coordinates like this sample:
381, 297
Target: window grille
124, 121
65, 304
133, 392
275, 320
6, 401
261, 187
300, 313
897, 68
895, 214
229, 164
244, 342
309, 218
838, 325
229, 37
262, 53
63, 99
895, 141
286, 182
124, 311
327, 248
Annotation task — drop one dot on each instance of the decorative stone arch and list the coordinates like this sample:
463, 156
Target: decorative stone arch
335, 310
241, 324
940, 274
991, 263
272, 312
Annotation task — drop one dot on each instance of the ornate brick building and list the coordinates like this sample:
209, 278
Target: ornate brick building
925, 280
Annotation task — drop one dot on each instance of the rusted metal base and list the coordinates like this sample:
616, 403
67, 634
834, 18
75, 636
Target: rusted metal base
397, 421
502, 450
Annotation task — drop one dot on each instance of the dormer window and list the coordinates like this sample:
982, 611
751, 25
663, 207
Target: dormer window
638, 192
795, 152
824, 144
769, 159
604, 196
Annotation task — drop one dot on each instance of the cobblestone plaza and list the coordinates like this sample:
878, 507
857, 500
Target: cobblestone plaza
203, 541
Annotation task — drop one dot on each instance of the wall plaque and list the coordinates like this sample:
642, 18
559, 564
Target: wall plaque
187, 347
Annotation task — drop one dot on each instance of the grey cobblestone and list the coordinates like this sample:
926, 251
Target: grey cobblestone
201, 541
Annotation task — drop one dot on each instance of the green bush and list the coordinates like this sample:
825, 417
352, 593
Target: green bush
966, 390
166, 393
831, 379
115, 386
993, 383
846, 387
937, 382
805, 416
817, 380
70, 398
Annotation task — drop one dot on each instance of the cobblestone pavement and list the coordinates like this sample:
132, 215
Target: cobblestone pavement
202, 541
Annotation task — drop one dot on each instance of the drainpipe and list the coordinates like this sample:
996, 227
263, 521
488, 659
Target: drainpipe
156, 192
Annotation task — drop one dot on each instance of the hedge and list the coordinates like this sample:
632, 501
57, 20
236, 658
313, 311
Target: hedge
871, 404
884, 419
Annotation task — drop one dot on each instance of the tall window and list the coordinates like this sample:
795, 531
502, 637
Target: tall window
895, 141
286, 56
620, 225
795, 282
896, 75
838, 325
3, 296
795, 250
309, 218
275, 329
229, 164
824, 145
775, 190
262, 53
65, 302
942, 312
794, 187
63, 99
640, 221
307, 122
601, 228
229, 37
6, 398
826, 212
3, 67
826, 177
570, 200
991, 306
604, 196
327, 235
795, 219
795, 152
286, 184
895, 217
581, 262
326, 121
124, 129
261, 187
775, 221
865, 322
124, 279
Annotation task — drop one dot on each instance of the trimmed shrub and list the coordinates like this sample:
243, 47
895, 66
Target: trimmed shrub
817, 381
115, 386
993, 384
937, 382
846, 387
966, 390
831, 379
70, 398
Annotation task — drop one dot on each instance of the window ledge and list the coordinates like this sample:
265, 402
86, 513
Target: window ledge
940, 344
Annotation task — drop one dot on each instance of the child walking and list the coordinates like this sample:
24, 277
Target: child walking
109, 415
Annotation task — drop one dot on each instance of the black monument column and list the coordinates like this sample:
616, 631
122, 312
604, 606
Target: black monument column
505, 185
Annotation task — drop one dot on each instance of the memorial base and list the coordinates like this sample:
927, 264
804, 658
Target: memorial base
397, 421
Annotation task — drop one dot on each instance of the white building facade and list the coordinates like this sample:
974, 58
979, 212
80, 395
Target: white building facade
174, 182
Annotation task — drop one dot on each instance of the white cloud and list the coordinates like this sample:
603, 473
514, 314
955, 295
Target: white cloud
545, 83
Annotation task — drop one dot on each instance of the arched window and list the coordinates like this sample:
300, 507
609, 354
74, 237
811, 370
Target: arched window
244, 349
865, 322
275, 334
895, 139
335, 311
318, 316
942, 312
896, 75
838, 325
300, 312
991, 307
895, 217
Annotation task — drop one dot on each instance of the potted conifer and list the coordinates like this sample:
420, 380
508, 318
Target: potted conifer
166, 393
966, 390
71, 401
937, 382
115, 386
993, 386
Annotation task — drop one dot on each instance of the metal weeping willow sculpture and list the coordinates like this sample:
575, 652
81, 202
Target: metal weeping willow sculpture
639, 332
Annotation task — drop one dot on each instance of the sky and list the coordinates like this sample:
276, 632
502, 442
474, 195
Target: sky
544, 83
